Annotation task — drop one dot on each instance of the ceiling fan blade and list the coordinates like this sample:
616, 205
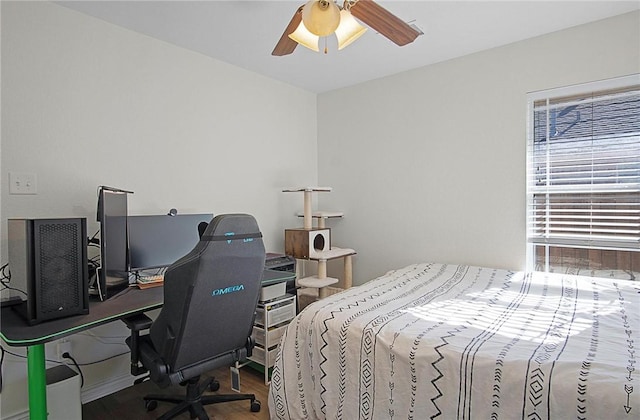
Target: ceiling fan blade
384, 22
286, 45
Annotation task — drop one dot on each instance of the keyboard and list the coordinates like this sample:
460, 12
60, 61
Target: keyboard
150, 281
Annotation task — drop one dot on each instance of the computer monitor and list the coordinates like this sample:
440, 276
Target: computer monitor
114, 264
157, 241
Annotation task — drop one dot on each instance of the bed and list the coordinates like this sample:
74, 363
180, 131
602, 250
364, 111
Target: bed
463, 342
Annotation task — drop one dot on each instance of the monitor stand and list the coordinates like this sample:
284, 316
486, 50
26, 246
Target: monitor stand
107, 285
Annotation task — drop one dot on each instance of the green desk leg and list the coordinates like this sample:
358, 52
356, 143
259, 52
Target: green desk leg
37, 380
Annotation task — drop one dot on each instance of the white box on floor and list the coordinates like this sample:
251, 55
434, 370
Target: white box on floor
63, 394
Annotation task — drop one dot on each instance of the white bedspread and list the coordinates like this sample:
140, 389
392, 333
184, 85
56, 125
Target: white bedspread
459, 342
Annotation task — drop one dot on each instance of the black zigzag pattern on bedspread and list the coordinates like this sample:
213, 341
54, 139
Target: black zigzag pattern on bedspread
371, 329
337, 308
413, 279
278, 389
277, 380
342, 339
464, 382
418, 281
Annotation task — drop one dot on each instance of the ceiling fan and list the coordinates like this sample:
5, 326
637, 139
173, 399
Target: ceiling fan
318, 18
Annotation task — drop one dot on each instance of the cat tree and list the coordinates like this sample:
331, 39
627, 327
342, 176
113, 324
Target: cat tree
314, 244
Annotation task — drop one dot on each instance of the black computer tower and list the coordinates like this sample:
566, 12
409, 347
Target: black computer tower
48, 262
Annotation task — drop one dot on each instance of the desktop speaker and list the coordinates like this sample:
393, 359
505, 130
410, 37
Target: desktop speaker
48, 263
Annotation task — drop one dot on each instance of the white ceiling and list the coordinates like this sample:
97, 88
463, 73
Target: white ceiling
244, 33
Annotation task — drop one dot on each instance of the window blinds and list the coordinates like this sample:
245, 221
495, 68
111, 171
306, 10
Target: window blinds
584, 170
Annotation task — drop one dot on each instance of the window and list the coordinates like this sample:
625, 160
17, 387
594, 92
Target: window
583, 179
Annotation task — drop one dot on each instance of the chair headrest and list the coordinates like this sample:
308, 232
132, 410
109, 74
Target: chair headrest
230, 227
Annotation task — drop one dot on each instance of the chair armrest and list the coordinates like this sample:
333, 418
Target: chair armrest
251, 343
136, 323
153, 363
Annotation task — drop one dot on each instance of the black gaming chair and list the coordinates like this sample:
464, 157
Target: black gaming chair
210, 298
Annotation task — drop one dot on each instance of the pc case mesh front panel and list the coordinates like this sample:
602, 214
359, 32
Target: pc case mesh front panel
58, 267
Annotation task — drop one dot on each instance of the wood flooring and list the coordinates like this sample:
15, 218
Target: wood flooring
127, 404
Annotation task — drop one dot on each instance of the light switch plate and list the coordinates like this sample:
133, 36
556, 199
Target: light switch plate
23, 183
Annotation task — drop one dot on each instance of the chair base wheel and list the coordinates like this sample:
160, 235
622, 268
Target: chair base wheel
255, 406
151, 405
214, 385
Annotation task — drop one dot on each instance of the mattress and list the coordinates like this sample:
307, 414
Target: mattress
462, 342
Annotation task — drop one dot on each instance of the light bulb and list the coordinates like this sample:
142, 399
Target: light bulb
321, 17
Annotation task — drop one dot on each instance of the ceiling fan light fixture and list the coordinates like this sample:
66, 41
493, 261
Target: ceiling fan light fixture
321, 17
349, 29
305, 38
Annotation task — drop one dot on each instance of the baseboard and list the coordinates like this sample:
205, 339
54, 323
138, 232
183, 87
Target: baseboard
23, 415
103, 389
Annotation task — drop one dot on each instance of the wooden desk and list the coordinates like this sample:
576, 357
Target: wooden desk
16, 332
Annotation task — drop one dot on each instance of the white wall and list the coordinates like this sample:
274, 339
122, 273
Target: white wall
429, 165
86, 103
